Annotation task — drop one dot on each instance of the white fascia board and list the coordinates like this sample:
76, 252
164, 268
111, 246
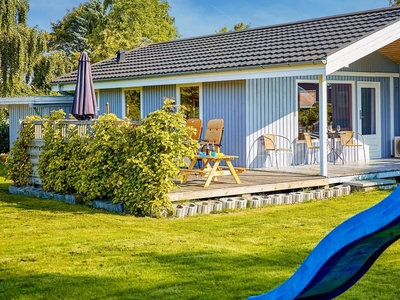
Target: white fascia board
239, 74
36, 101
364, 74
363, 47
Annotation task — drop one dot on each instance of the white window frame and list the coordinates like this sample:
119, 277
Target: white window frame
178, 95
353, 92
140, 90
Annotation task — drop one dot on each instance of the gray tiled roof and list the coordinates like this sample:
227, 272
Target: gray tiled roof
298, 42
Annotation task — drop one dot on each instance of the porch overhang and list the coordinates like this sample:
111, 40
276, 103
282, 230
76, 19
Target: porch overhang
384, 40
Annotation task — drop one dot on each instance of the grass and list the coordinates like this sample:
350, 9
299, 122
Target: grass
53, 250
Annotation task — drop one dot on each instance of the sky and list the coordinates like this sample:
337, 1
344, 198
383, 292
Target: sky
203, 17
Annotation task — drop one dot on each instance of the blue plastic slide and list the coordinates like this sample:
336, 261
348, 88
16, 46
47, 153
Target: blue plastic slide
344, 255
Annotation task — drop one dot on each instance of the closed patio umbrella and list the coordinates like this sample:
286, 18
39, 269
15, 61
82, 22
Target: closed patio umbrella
84, 106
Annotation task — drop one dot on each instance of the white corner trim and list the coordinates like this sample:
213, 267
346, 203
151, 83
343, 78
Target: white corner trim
391, 117
363, 47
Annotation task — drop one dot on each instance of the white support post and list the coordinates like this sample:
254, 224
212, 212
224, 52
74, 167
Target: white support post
391, 116
323, 121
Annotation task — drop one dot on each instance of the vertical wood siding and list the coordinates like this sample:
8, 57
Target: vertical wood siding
271, 108
397, 106
374, 62
153, 97
384, 105
115, 99
17, 113
227, 100
20, 112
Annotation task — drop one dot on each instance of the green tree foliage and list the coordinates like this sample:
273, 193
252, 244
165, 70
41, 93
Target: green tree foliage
20, 48
236, 27
394, 2
104, 27
75, 32
52, 65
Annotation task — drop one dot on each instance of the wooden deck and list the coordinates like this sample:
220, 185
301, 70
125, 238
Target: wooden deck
271, 180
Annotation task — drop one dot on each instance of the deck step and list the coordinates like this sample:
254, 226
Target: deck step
368, 185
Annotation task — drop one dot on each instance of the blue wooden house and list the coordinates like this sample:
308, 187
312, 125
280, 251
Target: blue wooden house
282, 79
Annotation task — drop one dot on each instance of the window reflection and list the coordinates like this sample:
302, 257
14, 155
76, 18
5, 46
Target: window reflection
339, 106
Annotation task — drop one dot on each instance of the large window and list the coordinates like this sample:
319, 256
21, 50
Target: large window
189, 96
132, 98
339, 106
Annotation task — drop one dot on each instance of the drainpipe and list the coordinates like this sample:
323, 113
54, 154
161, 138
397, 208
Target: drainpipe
323, 121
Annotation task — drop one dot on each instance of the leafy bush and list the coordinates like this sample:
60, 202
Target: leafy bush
116, 160
19, 166
63, 151
4, 131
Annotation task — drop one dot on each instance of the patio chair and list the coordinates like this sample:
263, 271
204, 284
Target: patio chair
309, 147
353, 140
213, 134
272, 143
198, 125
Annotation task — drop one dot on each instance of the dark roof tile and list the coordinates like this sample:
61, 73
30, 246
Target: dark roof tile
304, 41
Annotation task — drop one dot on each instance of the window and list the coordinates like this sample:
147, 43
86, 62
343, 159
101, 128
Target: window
339, 106
132, 98
190, 98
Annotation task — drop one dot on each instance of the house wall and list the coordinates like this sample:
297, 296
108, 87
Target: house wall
19, 112
374, 62
114, 98
271, 107
153, 97
227, 100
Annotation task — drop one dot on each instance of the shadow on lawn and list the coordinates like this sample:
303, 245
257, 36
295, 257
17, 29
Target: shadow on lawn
32, 203
183, 275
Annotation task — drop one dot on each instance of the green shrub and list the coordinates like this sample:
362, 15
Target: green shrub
136, 165
19, 166
63, 152
4, 131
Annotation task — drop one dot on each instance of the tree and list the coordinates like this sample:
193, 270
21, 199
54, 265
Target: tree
74, 32
394, 2
236, 27
104, 27
52, 65
20, 48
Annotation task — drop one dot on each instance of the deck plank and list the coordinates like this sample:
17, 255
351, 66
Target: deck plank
270, 180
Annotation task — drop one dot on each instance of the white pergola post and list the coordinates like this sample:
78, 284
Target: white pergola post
323, 121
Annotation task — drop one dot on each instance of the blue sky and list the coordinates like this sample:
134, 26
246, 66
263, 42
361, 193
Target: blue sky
202, 17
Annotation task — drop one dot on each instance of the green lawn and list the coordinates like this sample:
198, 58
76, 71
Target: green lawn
53, 250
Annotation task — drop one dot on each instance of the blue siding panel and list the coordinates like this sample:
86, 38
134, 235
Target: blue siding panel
20, 112
115, 99
153, 97
374, 62
227, 100
271, 108
396, 107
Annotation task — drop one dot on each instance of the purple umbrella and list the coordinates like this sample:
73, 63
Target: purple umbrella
84, 106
